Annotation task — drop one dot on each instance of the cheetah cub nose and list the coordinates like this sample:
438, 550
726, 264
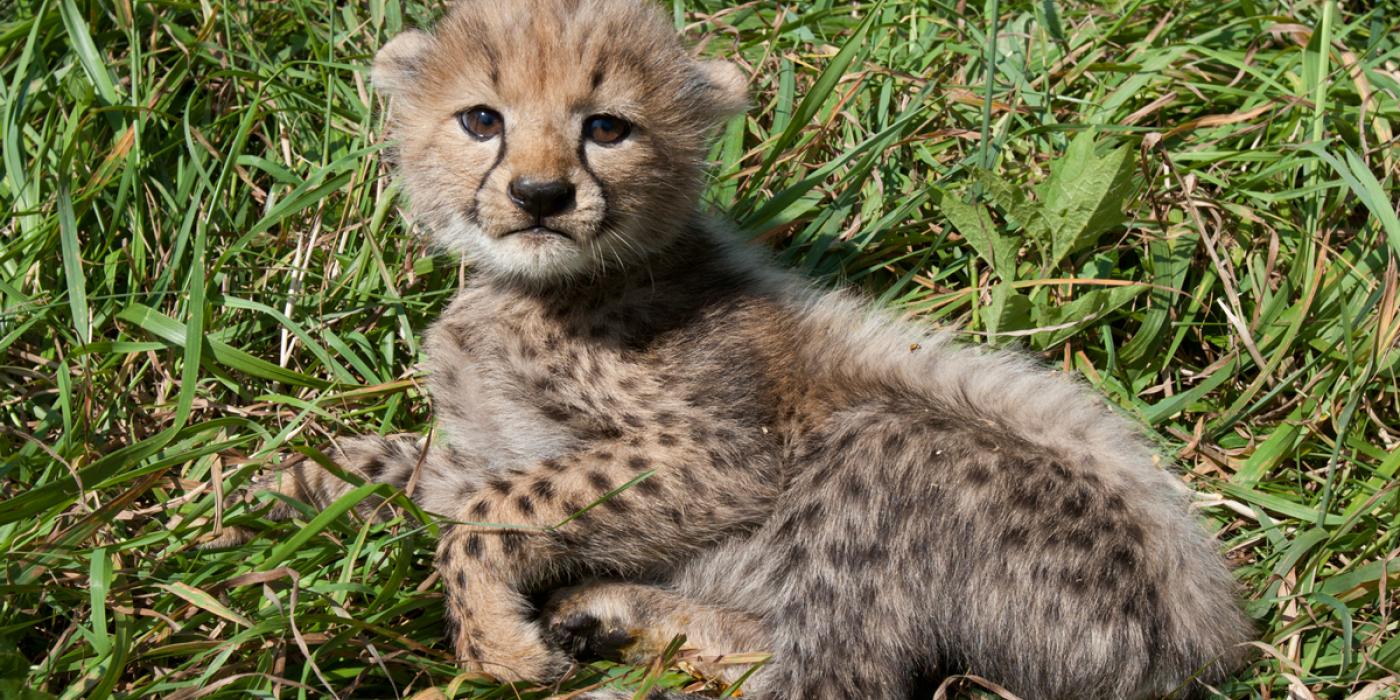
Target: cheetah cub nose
541, 198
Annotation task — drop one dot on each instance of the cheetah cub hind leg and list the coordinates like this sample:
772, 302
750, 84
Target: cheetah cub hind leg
390, 460
635, 623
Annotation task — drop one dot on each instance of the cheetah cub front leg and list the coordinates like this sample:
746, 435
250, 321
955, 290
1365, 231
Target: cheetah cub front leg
635, 623
525, 526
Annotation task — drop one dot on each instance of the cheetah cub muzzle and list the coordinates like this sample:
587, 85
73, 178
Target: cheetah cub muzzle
778, 471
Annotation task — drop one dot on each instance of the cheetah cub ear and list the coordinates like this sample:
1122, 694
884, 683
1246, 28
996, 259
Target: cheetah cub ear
727, 86
397, 64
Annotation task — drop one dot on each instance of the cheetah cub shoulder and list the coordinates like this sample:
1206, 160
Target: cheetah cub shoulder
772, 468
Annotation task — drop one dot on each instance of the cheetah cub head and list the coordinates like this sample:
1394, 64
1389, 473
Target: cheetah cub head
550, 140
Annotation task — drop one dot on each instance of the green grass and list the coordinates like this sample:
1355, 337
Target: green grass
205, 271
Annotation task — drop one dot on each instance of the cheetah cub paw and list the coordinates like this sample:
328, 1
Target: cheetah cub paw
598, 620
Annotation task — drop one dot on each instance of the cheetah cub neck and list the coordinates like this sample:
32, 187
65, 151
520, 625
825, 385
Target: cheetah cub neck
554, 142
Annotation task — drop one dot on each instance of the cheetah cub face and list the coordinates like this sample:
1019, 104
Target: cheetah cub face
550, 140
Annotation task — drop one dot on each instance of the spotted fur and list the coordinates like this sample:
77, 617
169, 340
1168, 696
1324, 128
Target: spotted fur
627, 397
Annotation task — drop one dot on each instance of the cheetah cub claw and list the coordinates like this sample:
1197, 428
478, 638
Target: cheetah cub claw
593, 621
636, 623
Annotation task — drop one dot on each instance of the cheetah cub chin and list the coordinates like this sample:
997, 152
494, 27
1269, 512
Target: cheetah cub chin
773, 469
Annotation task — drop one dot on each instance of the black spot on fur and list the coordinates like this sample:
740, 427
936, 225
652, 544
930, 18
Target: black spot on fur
542, 489
500, 486
649, 487
856, 556
793, 561
854, 488
1075, 580
632, 420
524, 504
1026, 497
606, 431
687, 474
555, 412
1133, 532
449, 623
472, 546
1080, 541
374, 467
599, 480
1014, 537
481, 509
844, 442
722, 461
894, 442
1122, 563
820, 592
512, 542
638, 463
978, 475
1077, 504
553, 465
666, 440
1143, 605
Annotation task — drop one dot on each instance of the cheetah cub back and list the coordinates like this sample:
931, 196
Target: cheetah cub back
704, 445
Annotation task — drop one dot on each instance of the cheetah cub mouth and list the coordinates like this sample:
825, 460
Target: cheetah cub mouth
580, 156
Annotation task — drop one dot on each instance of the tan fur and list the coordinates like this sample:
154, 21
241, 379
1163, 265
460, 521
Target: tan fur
725, 452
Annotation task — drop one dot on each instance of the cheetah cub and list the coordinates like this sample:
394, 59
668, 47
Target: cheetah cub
770, 468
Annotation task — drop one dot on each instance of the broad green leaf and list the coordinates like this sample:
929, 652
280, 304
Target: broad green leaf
1068, 319
975, 224
1010, 310
1084, 196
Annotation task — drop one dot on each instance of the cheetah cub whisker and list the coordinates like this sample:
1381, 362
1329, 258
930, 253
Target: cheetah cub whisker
864, 500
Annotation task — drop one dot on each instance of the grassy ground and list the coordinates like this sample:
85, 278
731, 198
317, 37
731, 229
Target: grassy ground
205, 271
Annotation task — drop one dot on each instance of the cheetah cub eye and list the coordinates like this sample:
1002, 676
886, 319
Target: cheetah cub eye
482, 123
606, 130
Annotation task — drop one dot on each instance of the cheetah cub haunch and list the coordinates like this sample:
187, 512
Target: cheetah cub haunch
798, 481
